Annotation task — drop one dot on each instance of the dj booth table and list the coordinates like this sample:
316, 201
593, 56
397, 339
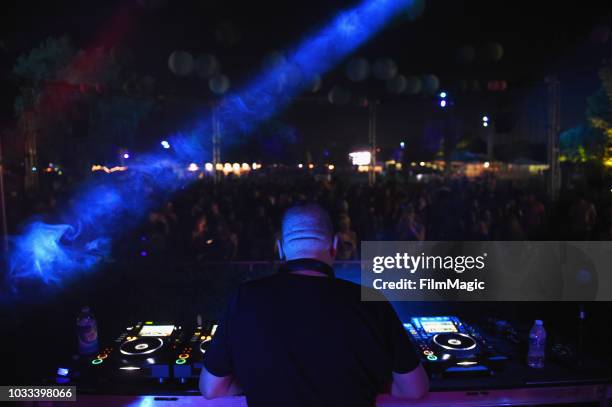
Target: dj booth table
516, 385
537, 395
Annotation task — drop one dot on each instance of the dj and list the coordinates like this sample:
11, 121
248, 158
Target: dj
304, 338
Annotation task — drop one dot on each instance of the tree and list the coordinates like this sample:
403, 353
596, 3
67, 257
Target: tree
69, 94
601, 114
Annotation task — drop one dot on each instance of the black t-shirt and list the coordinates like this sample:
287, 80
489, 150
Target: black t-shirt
295, 340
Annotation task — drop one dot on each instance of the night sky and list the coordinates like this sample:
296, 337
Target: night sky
538, 38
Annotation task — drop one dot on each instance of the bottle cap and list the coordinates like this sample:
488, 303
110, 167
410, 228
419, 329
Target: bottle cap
539, 322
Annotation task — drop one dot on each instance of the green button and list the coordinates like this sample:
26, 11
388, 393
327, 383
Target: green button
180, 361
432, 357
96, 361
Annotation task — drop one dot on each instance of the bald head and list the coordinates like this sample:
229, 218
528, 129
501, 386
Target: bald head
307, 232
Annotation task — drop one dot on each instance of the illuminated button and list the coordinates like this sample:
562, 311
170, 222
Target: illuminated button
141, 346
427, 352
183, 355
180, 361
102, 356
96, 361
432, 357
453, 341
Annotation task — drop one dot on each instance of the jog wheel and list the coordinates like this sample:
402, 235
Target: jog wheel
141, 346
454, 343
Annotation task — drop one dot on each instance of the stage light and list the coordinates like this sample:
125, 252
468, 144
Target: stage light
236, 167
331, 167
300, 165
422, 163
443, 103
165, 144
219, 167
193, 167
311, 166
34, 169
62, 371
486, 164
402, 144
443, 95
361, 157
126, 155
485, 124
245, 167
485, 118
208, 167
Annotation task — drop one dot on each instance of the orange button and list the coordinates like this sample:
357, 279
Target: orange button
102, 356
183, 355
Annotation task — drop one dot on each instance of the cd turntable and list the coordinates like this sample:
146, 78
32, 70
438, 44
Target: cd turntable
447, 346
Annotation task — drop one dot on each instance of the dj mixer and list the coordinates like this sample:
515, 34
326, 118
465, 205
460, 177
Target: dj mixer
188, 363
448, 346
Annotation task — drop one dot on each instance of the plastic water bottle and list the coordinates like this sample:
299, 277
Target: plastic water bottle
87, 332
537, 345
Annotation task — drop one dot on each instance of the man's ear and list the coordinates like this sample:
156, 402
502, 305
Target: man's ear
279, 246
334, 248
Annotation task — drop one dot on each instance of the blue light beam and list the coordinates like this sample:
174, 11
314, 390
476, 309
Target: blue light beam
80, 239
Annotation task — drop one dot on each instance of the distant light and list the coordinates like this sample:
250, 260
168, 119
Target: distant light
311, 166
208, 167
361, 157
245, 167
193, 167
50, 165
485, 118
485, 124
442, 95
402, 144
236, 167
143, 254
165, 144
443, 103
219, 167
34, 169
422, 163
300, 165
331, 167
106, 169
419, 177
487, 164
126, 156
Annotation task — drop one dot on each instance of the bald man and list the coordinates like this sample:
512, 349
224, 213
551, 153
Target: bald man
303, 338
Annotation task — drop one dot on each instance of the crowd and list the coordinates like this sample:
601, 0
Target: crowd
238, 218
